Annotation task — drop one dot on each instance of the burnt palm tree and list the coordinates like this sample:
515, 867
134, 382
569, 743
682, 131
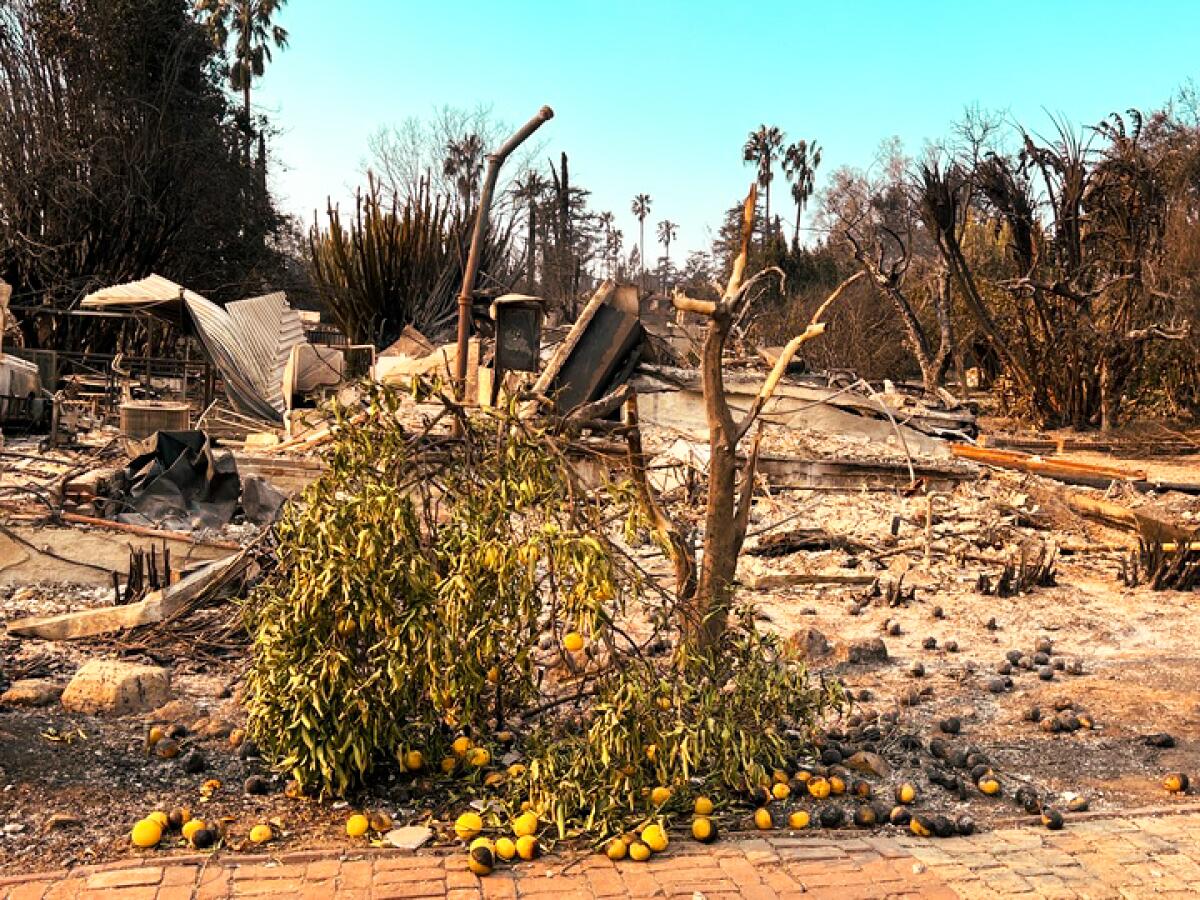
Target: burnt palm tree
463, 164
529, 188
762, 148
605, 222
255, 34
641, 209
667, 232
800, 161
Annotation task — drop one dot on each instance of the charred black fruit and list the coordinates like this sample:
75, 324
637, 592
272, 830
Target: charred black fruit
1052, 819
930, 643
964, 825
831, 816
1033, 714
950, 725
1046, 673
900, 817
943, 827
256, 786
864, 816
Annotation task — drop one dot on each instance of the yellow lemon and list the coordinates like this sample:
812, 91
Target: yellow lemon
449, 764
414, 760
516, 770
906, 793
798, 820
616, 849
660, 795
160, 817
573, 641
525, 824
527, 847
780, 791
704, 806
481, 860
461, 746
819, 788
468, 826
357, 825
260, 834
479, 757
762, 819
191, 826
639, 852
655, 837
837, 786
146, 833
704, 830
505, 848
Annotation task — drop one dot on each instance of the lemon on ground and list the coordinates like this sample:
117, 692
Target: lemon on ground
527, 847
616, 849
798, 819
660, 795
481, 860
639, 852
191, 826
357, 825
479, 757
154, 735
989, 786
160, 817
146, 833
516, 770
905, 793
414, 760
837, 785
920, 826
461, 745
1176, 783
780, 791
482, 842
704, 830
704, 806
655, 837
449, 764
468, 825
819, 788
573, 641
763, 820
524, 824
505, 848
779, 777
260, 834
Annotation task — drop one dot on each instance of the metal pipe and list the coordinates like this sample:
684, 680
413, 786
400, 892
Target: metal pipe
495, 161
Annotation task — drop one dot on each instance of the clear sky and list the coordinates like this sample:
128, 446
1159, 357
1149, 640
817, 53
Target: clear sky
658, 97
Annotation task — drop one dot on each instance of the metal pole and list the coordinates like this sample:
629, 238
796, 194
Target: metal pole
495, 161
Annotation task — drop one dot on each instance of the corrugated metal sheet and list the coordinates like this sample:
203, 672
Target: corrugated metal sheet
249, 341
272, 329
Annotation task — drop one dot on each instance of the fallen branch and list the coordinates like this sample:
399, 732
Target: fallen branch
143, 531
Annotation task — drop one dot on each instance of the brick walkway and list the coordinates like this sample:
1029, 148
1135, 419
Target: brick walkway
1133, 857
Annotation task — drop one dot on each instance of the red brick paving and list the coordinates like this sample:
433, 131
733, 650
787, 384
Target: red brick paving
1134, 857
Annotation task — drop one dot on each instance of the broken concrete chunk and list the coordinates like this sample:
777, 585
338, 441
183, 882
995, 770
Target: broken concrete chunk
810, 643
113, 687
412, 838
31, 692
183, 712
870, 763
866, 651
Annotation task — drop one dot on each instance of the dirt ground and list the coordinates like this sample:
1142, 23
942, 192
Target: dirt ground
72, 786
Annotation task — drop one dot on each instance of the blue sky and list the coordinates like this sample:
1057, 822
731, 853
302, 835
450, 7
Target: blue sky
659, 96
